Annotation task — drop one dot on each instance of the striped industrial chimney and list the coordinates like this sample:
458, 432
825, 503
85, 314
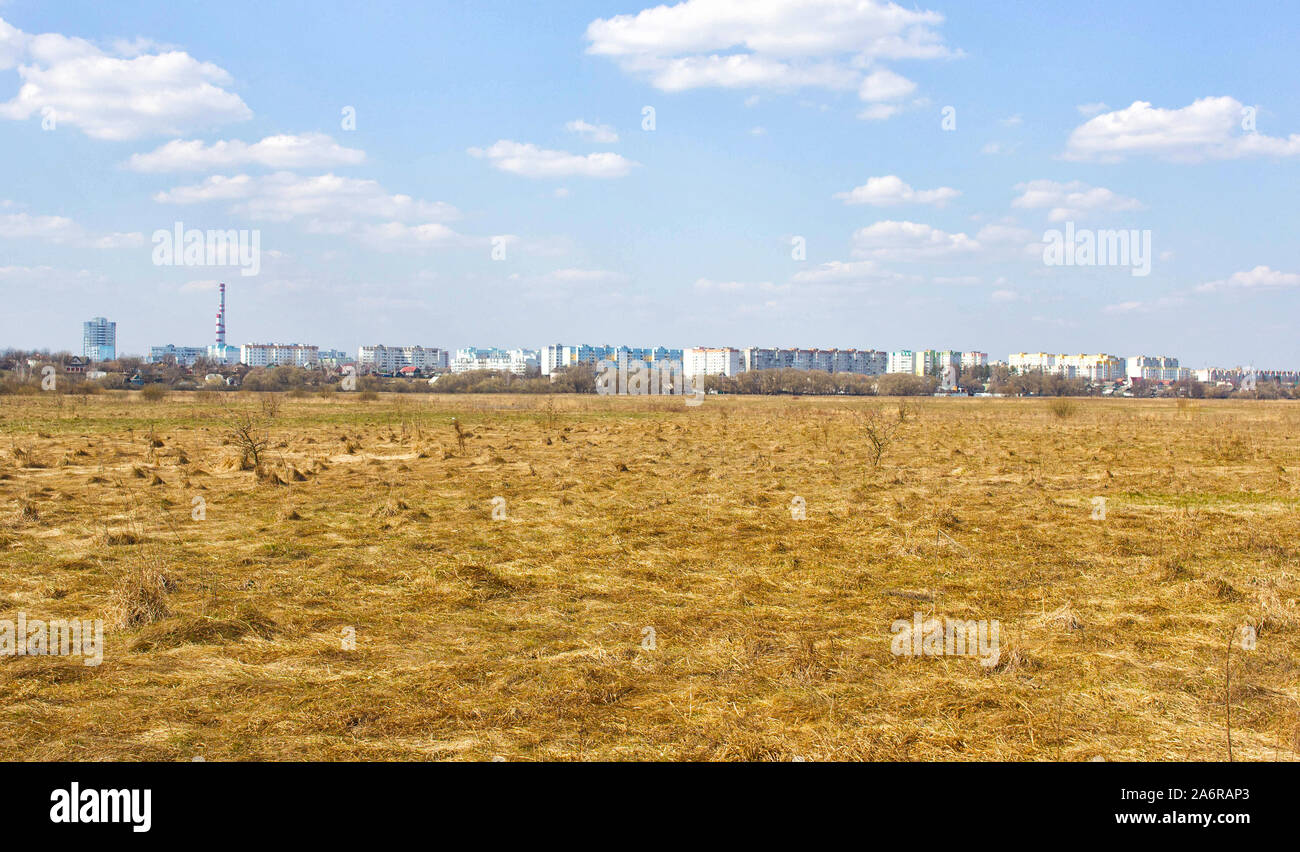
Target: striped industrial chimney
221, 317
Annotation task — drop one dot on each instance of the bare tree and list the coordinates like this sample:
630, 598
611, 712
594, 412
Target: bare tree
881, 431
249, 434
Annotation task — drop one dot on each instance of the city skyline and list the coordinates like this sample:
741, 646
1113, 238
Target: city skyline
834, 173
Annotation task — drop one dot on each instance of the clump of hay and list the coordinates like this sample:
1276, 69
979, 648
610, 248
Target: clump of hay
391, 507
267, 476
1062, 408
140, 596
116, 538
27, 512
1223, 590
1064, 617
25, 458
204, 630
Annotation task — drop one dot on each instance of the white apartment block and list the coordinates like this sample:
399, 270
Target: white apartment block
970, 360
1155, 368
1096, 368
278, 354
867, 362
390, 359
902, 361
704, 361
185, 355
517, 361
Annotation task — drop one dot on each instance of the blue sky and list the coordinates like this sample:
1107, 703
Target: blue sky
812, 119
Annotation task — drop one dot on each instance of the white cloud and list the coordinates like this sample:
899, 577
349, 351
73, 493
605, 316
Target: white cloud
1089, 110
1210, 128
1259, 278
999, 148
837, 272
776, 44
888, 240
398, 235
1004, 296
879, 112
1012, 120
599, 133
115, 97
885, 85
331, 201
530, 161
890, 189
63, 231
310, 150
1072, 200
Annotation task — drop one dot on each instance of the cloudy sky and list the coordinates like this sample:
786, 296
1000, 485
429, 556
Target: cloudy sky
714, 172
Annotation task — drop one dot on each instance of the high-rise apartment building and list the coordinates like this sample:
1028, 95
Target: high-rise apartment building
99, 340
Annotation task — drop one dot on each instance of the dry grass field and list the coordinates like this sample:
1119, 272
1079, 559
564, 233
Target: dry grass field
522, 637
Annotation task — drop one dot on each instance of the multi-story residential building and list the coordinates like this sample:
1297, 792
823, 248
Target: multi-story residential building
558, 356
1096, 368
99, 340
390, 359
1234, 375
278, 355
971, 360
518, 361
185, 356
1029, 362
706, 361
902, 361
334, 357
868, 362
1155, 368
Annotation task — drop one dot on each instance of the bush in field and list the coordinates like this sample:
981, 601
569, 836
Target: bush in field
153, 393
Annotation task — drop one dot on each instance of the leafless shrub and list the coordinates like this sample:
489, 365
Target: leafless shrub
460, 433
881, 432
1062, 408
248, 433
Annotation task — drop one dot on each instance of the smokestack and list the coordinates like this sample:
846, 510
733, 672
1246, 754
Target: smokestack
221, 316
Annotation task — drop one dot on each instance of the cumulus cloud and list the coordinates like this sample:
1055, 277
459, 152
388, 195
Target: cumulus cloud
891, 189
115, 95
309, 150
1072, 200
1259, 278
885, 85
889, 240
327, 198
1209, 128
531, 161
842, 272
776, 44
62, 231
601, 134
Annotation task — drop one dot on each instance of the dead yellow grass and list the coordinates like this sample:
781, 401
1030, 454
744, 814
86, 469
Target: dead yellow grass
526, 636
